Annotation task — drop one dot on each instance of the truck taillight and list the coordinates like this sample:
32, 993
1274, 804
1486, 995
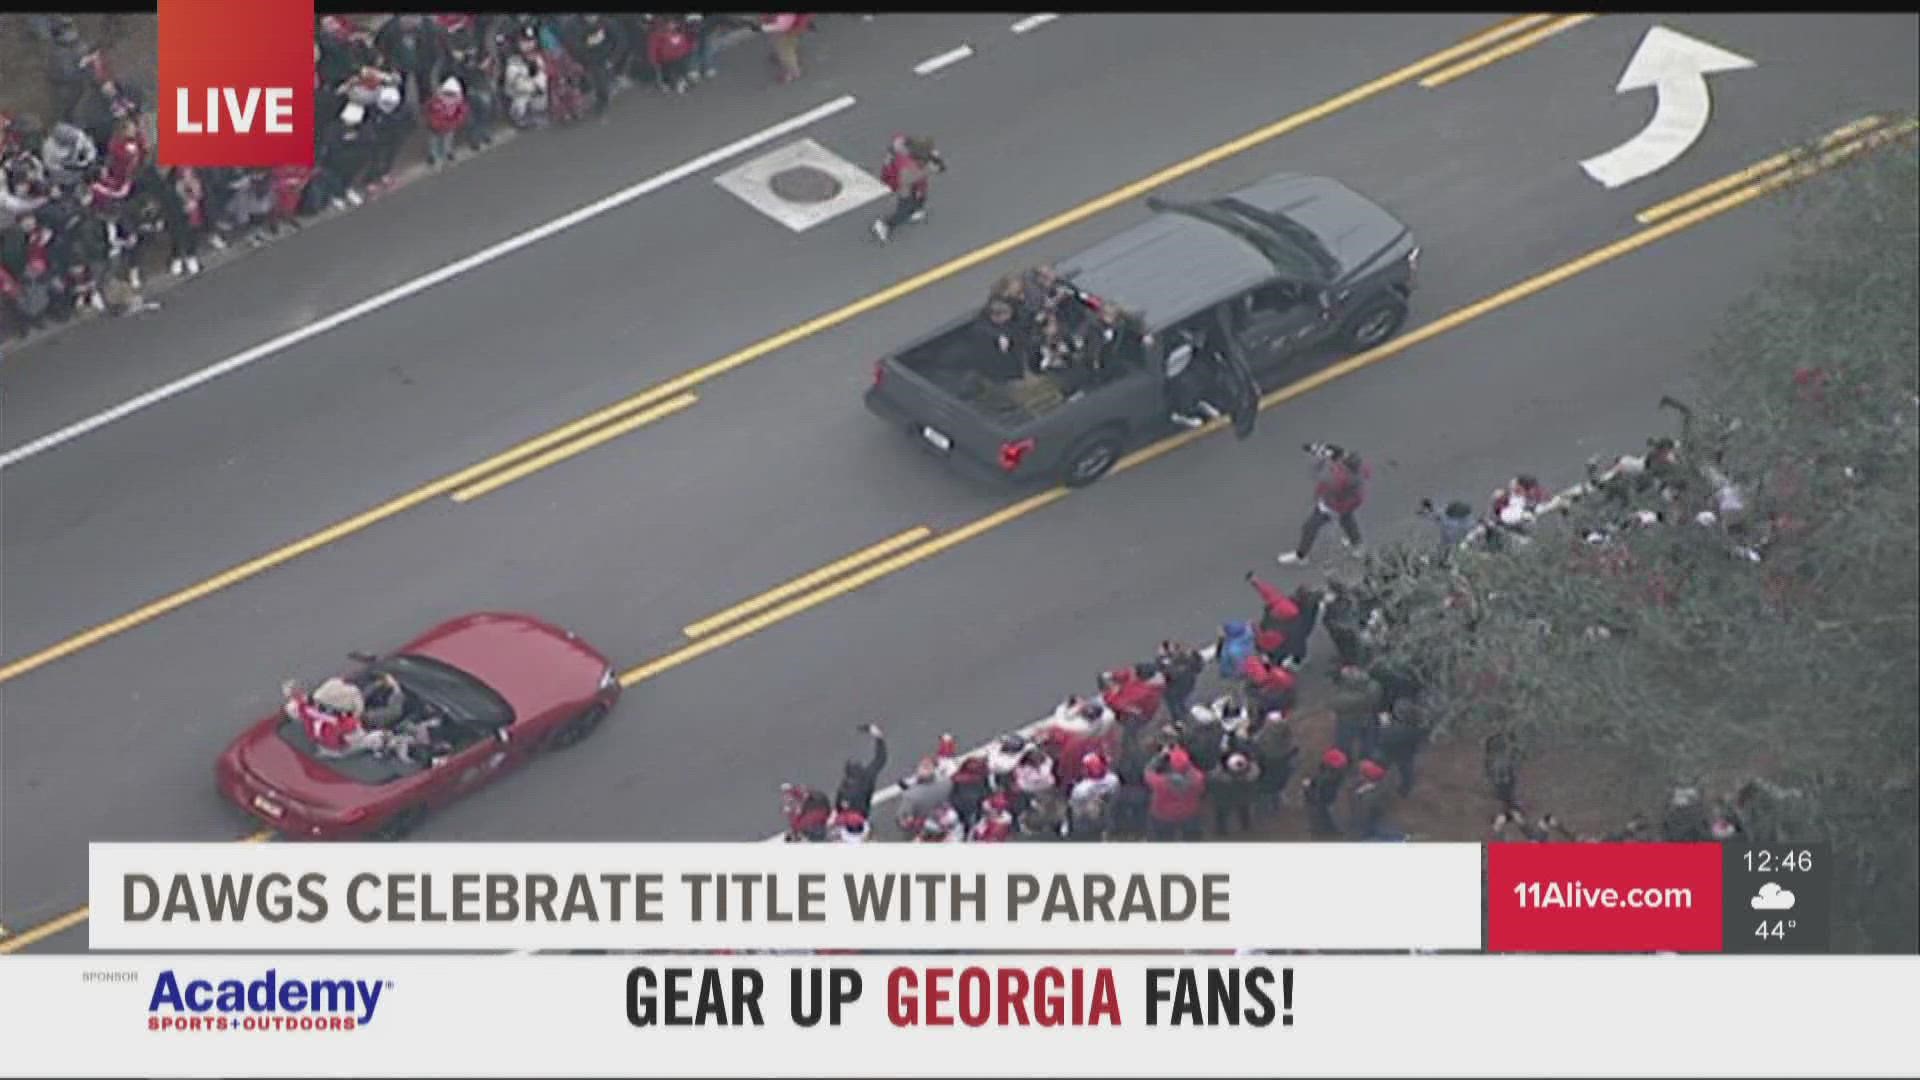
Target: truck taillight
879, 371
1012, 453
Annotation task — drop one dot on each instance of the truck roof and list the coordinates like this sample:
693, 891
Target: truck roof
1168, 267
1175, 263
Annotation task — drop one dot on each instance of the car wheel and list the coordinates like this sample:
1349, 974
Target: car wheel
1091, 458
1374, 324
399, 825
578, 728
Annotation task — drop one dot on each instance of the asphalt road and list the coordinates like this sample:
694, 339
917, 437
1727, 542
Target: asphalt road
778, 469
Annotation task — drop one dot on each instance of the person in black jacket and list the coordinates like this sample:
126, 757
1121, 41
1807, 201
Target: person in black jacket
1182, 667
414, 46
1323, 791
859, 779
598, 43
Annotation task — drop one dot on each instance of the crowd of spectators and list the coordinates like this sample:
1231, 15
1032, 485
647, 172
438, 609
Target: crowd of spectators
86, 212
1208, 739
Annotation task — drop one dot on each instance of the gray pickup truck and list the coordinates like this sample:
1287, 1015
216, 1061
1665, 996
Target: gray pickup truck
1263, 276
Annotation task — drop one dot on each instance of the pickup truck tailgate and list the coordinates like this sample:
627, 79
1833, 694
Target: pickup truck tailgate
937, 417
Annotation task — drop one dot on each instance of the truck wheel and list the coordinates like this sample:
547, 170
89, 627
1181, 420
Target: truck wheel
1373, 324
1091, 458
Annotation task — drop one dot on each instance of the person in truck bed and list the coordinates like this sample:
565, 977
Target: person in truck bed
1005, 342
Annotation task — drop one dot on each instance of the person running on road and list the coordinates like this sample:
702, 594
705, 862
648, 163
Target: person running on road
1339, 488
911, 163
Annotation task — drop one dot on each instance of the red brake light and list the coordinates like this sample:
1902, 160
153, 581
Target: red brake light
879, 371
1012, 453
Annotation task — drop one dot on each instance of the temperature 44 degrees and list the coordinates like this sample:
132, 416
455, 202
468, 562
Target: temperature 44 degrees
1774, 930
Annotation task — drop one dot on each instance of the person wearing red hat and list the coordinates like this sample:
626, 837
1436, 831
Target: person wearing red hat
1323, 790
849, 827
996, 821
971, 785
1134, 693
808, 813
1088, 799
1278, 614
1367, 802
1176, 791
1270, 687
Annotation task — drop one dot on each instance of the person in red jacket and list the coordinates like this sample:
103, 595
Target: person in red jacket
1339, 487
447, 116
126, 155
1270, 687
1175, 791
1134, 693
1278, 616
669, 44
911, 162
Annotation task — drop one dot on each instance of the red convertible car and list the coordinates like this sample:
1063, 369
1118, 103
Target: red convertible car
502, 688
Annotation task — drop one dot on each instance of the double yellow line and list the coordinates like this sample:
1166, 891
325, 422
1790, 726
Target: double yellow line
1531, 31
1788, 166
806, 582
570, 448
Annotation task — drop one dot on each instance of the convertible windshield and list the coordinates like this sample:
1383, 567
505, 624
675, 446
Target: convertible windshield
454, 692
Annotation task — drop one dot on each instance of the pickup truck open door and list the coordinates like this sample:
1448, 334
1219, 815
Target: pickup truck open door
1234, 376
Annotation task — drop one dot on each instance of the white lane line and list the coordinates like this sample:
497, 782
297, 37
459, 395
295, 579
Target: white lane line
951, 56
1033, 22
422, 283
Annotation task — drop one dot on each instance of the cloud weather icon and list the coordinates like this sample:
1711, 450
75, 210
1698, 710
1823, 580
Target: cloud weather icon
1772, 897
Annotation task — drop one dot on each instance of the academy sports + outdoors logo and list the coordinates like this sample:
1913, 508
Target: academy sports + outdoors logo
268, 1003
236, 83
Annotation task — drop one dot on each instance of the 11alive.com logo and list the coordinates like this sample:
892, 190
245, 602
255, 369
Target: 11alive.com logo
236, 83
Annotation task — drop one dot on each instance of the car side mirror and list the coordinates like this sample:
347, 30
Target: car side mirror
502, 737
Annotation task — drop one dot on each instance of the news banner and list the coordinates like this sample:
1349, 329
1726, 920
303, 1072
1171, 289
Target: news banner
948, 960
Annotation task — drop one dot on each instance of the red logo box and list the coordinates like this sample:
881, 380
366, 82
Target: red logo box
1604, 897
236, 83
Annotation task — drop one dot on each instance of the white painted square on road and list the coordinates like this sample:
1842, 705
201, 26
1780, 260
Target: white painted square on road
753, 183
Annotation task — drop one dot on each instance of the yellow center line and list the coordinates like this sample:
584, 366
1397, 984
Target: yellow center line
1753, 172
807, 581
1491, 56
690, 379
1032, 503
845, 585
44, 931
567, 450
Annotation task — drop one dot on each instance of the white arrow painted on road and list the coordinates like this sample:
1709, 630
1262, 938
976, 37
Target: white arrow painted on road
1676, 66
